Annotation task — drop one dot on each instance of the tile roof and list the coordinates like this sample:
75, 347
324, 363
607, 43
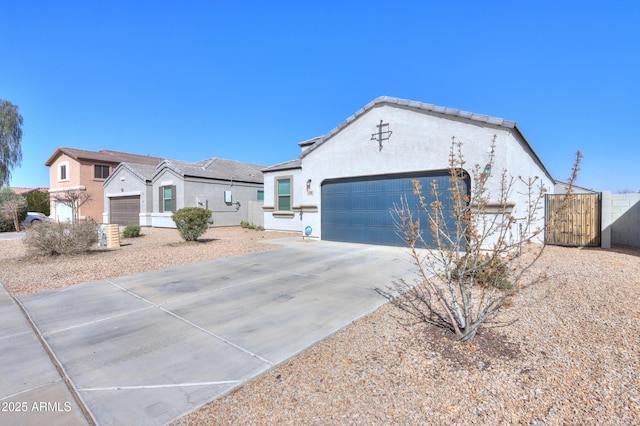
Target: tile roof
24, 191
144, 172
103, 155
216, 168
287, 165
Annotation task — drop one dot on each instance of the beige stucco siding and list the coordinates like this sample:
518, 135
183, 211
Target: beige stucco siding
80, 176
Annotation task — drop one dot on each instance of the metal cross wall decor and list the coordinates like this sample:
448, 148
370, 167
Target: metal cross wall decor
382, 134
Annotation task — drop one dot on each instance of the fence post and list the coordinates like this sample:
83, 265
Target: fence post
606, 220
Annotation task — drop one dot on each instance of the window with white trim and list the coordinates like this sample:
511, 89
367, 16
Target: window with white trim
63, 171
283, 194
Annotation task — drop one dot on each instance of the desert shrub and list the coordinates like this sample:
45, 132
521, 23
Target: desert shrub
247, 225
483, 270
131, 231
61, 238
7, 223
192, 222
480, 256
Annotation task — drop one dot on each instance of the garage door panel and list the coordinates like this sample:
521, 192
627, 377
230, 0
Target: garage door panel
124, 210
360, 209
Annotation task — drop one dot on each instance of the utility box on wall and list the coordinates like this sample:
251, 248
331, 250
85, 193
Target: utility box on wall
227, 197
202, 202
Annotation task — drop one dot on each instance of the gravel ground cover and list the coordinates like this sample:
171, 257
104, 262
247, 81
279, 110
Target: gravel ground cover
572, 356
156, 248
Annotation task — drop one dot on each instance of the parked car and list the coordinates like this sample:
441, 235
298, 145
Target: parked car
34, 218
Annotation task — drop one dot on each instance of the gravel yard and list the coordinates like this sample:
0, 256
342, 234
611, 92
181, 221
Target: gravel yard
573, 356
156, 248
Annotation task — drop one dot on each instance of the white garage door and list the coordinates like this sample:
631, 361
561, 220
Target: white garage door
63, 213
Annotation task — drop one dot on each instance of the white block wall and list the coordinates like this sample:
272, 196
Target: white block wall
620, 219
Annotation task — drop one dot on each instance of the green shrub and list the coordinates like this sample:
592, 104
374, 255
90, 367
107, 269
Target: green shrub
248, 225
61, 238
192, 222
38, 202
131, 231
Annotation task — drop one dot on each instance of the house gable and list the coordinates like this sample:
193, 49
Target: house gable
384, 144
446, 122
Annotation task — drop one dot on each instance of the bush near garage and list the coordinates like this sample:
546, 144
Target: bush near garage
61, 238
131, 231
192, 222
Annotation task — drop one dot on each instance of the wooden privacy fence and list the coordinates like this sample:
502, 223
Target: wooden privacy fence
573, 220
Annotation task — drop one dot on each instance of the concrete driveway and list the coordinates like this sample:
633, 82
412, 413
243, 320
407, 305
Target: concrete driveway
11, 235
152, 347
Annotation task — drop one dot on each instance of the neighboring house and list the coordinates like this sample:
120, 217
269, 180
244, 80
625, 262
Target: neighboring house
25, 191
563, 187
148, 195
72, 169
344, 184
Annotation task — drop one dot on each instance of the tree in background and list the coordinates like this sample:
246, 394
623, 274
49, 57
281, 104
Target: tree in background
38, 201
13, 209
7, 196
10, 138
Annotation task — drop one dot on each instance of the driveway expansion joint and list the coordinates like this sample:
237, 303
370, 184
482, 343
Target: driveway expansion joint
192, 324
58, 366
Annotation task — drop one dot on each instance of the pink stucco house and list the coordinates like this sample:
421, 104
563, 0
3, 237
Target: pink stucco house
82, 170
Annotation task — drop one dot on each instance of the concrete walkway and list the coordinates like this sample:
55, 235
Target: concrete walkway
32, 392
152, 347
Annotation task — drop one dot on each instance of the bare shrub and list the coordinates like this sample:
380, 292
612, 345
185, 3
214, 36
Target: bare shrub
74, 199
61, 238
13, 209
480, 250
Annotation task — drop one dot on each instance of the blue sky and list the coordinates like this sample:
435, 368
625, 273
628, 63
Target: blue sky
248, 80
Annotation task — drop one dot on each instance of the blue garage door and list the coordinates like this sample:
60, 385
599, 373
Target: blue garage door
359, 210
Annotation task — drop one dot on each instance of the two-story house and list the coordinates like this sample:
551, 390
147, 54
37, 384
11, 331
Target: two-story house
84, 173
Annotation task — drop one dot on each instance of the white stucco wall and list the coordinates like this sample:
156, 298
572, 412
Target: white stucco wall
274, 220
421, 141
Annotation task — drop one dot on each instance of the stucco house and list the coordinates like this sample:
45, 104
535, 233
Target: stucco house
344, 184
148, 195
72, 169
